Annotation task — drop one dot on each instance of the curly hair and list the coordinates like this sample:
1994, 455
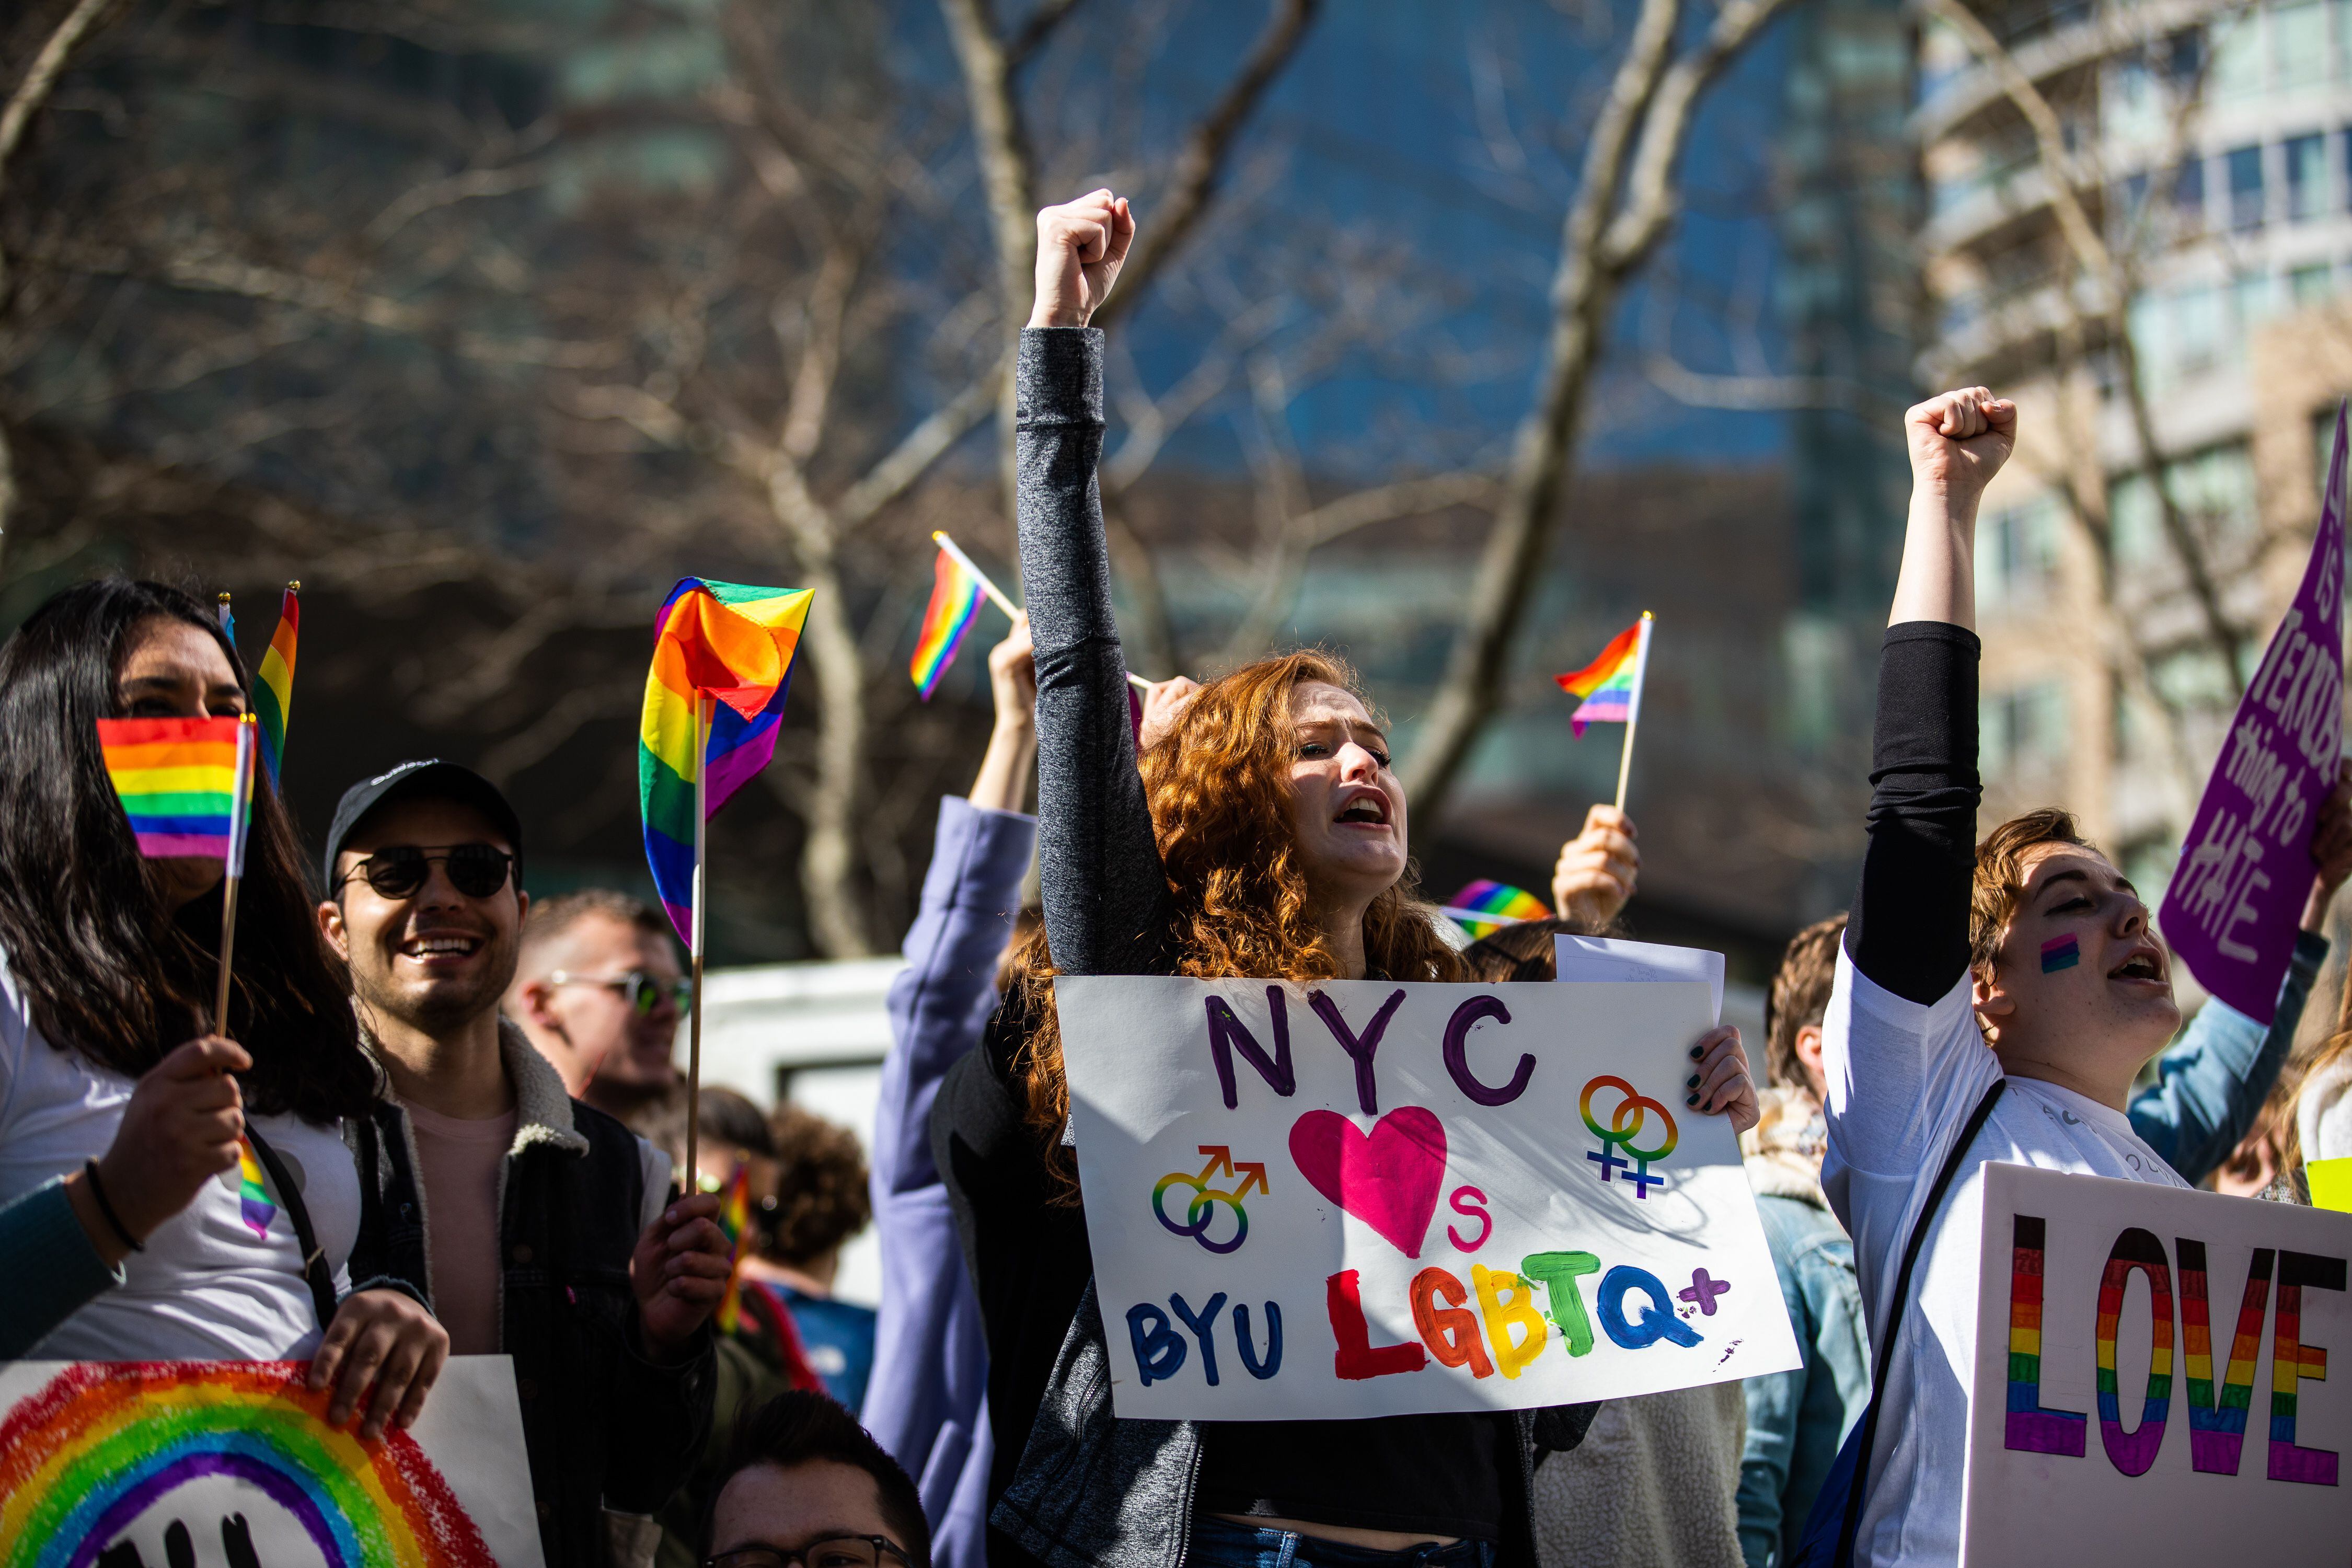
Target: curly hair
2000, 881
1219, 791
821, 1196
1799, 995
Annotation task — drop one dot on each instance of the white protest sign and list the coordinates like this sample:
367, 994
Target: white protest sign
144, 1464
1365, 1198
1614, 958
2152, 1380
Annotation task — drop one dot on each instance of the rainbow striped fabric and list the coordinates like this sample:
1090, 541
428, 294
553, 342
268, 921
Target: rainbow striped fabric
273, 698
178, 782
252, 1192
735, 1219
955, 605
1610, 685
1507, 904
734, 645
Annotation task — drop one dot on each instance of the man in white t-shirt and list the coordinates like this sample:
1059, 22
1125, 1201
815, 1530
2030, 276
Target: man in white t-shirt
2028, 958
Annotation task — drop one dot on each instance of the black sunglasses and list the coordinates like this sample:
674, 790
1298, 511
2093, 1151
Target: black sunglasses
642, 990
826, 1552
476, 870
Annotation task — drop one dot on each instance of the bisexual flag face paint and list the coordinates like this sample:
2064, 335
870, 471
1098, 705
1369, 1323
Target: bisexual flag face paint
2060, 952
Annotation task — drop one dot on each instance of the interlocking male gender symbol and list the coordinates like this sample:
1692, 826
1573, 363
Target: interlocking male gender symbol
1631, 1119
1201, 1212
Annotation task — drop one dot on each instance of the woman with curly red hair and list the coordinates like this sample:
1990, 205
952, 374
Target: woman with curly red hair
1263, 835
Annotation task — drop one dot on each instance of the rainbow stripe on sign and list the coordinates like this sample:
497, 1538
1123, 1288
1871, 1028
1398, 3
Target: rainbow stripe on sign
105, 1442
2292, 1361
177, 780
1507, 904
2217, 1427
734, 645
955, 605
253, 1192
2029, 1427
273, 692
1610, 685
2133, 1452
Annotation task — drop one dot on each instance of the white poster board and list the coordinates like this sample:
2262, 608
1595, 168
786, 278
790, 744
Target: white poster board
1362, 1198
125, 1464
2152, 1382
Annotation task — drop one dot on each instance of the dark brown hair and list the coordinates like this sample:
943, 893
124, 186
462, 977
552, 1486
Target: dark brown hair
1999, 880
821, 1195
1522, 951
803, 1428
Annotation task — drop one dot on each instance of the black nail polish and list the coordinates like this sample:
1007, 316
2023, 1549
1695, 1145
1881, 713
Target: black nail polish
1690, 1099
1693, 1083
1698, 1052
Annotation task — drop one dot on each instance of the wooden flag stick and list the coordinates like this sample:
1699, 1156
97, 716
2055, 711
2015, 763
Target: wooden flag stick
996, 594
1633, 708
691, 1182
240, 802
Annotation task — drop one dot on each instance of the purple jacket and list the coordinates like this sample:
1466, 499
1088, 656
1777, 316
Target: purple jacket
927, 1403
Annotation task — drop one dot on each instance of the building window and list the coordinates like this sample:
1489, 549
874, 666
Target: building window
2311, 285
2236, 74
2214, 490
2022, 731
2306, 178
2298, 45
2246, 188
2255, 301
2017, 554
2189, 196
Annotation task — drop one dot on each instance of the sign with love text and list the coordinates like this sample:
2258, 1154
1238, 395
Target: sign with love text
2152, 1379
1363, 1199
2232, 905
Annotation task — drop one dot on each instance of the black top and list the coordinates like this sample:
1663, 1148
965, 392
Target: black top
1908, 931
1108, 912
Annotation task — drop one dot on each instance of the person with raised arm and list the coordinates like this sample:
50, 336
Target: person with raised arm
1265, 835
1994, 1001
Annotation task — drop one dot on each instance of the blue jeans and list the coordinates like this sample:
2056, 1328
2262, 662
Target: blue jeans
1221, 1544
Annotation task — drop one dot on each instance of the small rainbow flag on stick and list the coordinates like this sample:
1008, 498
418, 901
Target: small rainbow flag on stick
714, 703
273, 698
1610, 689
735, 1219
956, 589
1486, 907
178, 779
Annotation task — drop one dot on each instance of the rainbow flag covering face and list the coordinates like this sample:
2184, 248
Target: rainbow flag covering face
273, 697
955, 605
735, 1219
178, 782
735, 645
1610, 685
1507, 904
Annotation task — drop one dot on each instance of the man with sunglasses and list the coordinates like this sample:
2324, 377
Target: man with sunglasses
599, 990
546, 1229
804, 1486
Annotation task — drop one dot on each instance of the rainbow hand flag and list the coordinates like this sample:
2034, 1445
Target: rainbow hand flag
252, 1190
732, 643
735, 1219
273, 698
955, 605
1507, 904
1610, 686
179, 780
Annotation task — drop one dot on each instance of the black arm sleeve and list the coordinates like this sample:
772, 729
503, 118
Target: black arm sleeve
1107, 905
1909, 928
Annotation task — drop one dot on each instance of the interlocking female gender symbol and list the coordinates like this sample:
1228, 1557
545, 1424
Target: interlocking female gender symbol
1636, 1108
1201, 1211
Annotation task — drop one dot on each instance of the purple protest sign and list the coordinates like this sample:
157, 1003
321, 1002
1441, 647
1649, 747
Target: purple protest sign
2246, 866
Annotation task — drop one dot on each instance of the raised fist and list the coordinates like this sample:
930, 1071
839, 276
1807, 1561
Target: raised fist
1958, 440
1080, 246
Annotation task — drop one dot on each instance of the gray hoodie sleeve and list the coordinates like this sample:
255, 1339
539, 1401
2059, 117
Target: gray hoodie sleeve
1107, 905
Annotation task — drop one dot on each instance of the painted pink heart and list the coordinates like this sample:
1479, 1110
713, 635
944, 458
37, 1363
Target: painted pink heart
1387, 1177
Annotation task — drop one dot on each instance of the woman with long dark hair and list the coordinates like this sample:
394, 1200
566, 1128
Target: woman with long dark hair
1263, 836
110, 963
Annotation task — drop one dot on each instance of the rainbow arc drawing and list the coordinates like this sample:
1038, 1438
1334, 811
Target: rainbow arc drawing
104, 1442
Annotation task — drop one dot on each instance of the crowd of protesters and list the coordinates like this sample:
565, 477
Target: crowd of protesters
474, 1129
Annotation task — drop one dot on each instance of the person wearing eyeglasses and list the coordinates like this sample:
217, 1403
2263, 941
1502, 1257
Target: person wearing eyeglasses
547, 1229
804, 1486
599, 990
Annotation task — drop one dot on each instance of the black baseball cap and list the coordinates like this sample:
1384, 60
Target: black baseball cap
431, 779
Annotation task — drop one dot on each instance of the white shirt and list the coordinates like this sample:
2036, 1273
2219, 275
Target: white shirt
207, 1287
1903, 1081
